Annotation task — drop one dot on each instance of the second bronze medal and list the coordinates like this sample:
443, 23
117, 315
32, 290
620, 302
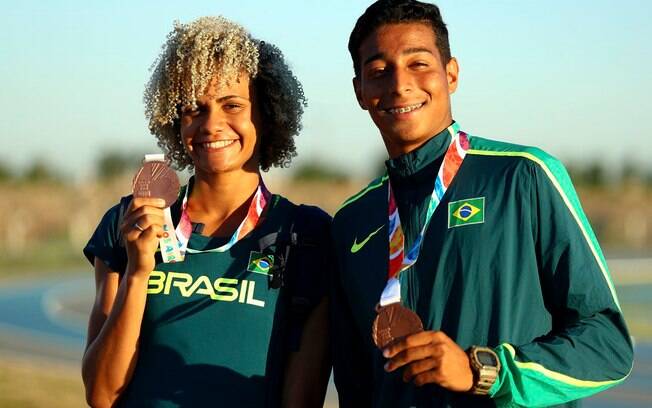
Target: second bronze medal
394, 322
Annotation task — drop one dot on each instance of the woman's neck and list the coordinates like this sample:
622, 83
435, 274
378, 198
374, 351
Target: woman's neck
220, 201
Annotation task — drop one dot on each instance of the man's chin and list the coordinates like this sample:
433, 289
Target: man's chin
408, 136
402, 143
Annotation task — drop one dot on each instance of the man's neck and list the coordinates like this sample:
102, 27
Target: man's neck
395, 150
398, 149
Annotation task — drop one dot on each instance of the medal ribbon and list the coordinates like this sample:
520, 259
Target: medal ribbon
168, 242
256, 208
399, 260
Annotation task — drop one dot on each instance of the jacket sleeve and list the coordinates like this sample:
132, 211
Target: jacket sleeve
351, 361
588, 349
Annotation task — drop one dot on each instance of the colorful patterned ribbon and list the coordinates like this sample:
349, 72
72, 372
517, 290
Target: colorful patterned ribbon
256, 208
399, 260
168, 242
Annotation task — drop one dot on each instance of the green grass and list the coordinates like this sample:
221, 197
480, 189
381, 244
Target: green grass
53, 257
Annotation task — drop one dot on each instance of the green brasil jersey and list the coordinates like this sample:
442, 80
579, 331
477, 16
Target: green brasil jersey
508, 260
213, 331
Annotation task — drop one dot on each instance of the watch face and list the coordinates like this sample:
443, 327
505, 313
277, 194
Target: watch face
486, 358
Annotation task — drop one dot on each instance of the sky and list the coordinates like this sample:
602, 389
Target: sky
572, 77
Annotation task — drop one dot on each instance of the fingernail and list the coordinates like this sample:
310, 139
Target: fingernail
386, 367
385, 353
160, 202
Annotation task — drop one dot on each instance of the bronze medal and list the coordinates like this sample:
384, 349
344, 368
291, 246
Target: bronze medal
394, 322
156, 179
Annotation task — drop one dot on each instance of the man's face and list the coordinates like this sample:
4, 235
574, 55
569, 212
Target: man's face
404, 85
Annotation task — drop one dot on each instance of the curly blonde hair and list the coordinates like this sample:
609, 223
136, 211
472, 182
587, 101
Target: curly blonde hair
196, 52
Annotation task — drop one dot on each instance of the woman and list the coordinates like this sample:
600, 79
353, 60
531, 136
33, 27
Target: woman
241, 321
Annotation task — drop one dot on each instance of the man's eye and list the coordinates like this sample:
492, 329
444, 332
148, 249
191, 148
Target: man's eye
376, 72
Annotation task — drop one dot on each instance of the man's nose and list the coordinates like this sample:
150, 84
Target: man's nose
401, 82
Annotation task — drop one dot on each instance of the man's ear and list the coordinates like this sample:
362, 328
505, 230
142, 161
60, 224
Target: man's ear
358, 92
452, 74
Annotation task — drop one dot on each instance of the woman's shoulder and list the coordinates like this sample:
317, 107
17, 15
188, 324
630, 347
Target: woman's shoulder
106, 242
312, 215
113, 216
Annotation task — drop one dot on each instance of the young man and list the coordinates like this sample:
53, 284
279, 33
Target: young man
485, 241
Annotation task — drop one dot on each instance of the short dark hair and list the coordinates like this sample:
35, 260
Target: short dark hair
398, 11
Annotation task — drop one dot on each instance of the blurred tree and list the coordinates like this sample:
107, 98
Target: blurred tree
40, 172
594, 174
631, 173
318, 172
648, 178
113, 164
5, 173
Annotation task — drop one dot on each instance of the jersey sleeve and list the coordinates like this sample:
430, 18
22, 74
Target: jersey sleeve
105, 243
588, 349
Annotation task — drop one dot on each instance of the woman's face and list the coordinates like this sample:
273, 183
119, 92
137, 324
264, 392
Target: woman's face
220, 135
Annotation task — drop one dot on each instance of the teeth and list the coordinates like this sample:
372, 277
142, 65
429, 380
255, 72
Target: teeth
218, 144
405, 109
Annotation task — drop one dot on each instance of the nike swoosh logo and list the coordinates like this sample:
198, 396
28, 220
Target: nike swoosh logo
356, 247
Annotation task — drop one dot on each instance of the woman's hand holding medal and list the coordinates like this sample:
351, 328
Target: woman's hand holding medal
430, 357
155, 188
141, 229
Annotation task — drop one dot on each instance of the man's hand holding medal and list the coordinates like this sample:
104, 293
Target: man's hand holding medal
430, 357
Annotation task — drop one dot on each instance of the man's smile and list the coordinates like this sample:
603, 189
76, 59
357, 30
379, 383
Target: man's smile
404, 109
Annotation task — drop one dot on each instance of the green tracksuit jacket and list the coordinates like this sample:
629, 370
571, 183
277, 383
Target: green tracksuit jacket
520, 271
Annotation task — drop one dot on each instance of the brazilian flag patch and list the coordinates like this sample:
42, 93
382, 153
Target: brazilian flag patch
466, 212
260, 263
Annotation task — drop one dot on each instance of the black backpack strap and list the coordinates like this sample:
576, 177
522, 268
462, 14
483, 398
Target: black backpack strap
282, 242
300, 266
297, 263
305, 268
302, 297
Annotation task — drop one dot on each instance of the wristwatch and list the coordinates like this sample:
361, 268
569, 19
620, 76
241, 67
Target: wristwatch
485, 366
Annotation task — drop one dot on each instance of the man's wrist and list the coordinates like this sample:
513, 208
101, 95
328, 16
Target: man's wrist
485, 367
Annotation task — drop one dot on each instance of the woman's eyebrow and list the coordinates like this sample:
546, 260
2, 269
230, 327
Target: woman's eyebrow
227, 97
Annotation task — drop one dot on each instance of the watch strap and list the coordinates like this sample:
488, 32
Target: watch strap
484, 375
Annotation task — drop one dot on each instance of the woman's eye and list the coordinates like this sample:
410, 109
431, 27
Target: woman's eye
232, 106
190, 111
